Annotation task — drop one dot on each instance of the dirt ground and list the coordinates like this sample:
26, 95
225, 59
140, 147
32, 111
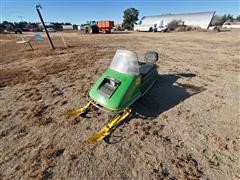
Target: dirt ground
186, 127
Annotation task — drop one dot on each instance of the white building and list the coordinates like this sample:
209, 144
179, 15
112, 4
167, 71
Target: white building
201, 19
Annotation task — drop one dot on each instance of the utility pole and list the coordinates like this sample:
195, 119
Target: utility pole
38, 7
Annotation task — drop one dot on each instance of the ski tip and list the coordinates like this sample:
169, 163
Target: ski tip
97, 136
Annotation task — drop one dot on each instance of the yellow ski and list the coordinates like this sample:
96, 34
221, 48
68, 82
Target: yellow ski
78, 112
97, 136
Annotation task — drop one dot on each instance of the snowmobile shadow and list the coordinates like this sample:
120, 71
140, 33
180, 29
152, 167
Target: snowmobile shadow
164, 95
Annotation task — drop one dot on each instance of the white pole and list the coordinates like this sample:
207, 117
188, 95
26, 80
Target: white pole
64, 42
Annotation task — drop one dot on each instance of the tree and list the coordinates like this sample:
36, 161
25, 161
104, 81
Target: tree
8, 25
58, 26
21, 24
2, 27
238, 18
130, 16
224, 18
230, 17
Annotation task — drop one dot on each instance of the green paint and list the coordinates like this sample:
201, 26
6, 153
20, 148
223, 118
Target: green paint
126, 94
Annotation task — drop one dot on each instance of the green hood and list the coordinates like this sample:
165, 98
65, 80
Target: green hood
127, 91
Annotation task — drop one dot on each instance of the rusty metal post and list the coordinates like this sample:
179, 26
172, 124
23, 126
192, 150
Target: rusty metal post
40, 16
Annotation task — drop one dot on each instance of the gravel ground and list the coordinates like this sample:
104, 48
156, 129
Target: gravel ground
186, 127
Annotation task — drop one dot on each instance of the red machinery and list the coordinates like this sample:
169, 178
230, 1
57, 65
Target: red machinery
105, 26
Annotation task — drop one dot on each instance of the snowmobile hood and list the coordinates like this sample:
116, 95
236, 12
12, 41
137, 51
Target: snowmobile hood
115, 90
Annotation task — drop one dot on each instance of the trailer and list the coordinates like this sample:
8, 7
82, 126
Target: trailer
105, 26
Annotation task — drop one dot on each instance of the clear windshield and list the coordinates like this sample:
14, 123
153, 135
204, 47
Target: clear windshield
126, 62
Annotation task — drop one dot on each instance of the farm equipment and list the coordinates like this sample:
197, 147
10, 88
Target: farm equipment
96, 27
121, 85
105, 26
90, 28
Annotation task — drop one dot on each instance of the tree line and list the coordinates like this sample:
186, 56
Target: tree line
11, 26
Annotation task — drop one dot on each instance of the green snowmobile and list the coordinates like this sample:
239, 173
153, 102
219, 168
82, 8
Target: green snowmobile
122, 84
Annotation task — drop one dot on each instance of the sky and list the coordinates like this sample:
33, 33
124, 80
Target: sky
80, 11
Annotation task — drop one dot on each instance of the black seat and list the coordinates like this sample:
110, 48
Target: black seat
145, 69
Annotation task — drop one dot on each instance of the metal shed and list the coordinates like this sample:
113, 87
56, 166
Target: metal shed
201, 19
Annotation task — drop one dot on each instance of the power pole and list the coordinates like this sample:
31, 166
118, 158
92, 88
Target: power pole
38, 7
